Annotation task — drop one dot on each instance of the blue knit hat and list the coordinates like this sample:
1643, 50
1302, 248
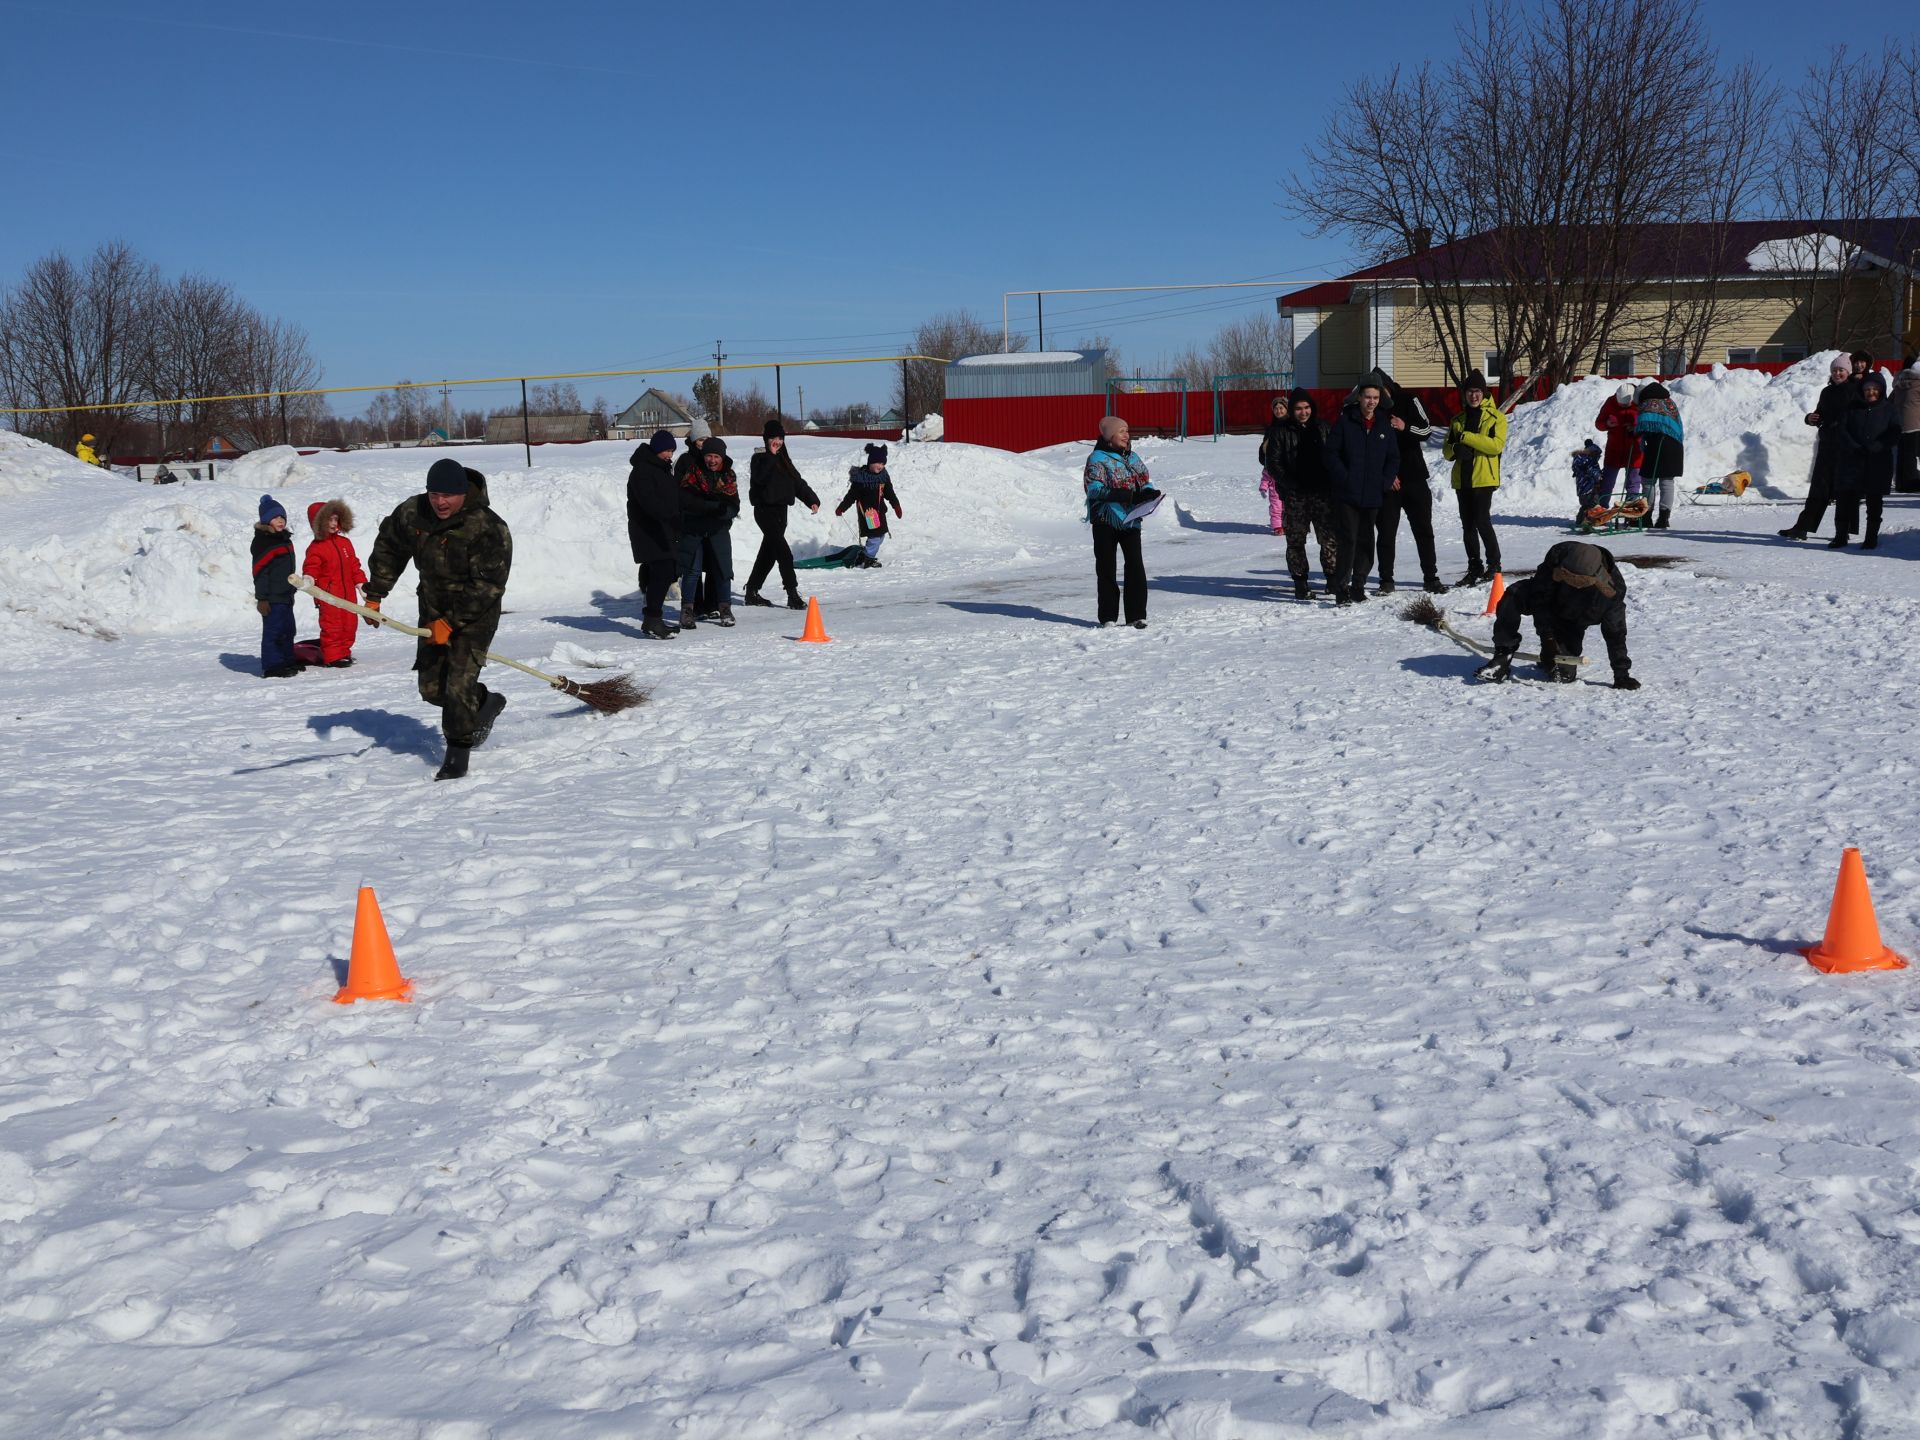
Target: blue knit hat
270, 508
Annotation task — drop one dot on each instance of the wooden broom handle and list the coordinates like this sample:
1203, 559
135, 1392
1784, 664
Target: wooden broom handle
305, 584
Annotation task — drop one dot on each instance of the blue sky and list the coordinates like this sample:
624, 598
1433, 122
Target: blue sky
437, 189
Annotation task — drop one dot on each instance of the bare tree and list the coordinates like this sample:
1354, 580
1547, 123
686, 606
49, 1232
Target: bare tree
1115, 361
76, 335
1836, 168
920, 388
270, 358
1557, 132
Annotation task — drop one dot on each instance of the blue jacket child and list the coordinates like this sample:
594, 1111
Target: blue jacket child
273, 567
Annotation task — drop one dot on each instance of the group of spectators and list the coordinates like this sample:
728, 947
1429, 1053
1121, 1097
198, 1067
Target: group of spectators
680, 516
1351, 482
1867, 437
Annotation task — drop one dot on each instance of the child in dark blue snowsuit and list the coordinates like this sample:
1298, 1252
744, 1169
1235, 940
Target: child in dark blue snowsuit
1588, 480
273, 567
870, 491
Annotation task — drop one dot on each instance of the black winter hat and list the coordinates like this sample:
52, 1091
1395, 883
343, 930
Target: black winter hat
772, 428
447, 477
1474, 381
714, 445
1299, 393
876, 452
662, 442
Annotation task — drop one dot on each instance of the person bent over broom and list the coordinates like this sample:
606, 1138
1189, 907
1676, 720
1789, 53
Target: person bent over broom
463, 551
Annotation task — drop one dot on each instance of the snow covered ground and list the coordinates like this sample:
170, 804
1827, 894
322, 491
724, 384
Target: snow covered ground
983, 1025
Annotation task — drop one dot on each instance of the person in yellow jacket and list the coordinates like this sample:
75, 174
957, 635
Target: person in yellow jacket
1474, 444
85, 450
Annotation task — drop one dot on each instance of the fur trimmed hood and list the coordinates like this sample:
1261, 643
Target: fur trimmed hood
318, 512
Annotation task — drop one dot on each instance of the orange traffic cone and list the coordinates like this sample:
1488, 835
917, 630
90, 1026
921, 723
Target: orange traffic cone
372, 972
1852, 941
1493, 595
815, 633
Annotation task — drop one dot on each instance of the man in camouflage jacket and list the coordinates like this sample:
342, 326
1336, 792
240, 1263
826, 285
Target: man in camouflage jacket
463, 551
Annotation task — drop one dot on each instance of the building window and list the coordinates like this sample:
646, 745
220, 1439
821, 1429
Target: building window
1673, 361
1742, 355
1619, 364
1793, 354
1495, 365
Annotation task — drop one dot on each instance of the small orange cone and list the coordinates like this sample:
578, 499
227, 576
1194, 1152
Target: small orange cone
1852, 941
1493, 595
372, 971
815, 633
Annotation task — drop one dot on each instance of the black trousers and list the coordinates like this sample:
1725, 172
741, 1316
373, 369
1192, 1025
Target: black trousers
656, 578
1354, 525
774, 550
1819, 496
1415, 501
1476, 525
1109, 545
1846, 515
1906, 476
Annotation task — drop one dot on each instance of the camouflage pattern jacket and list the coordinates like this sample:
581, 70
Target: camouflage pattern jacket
463, 560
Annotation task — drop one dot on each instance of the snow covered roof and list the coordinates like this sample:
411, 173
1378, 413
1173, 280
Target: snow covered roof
1660, 252
1030, 357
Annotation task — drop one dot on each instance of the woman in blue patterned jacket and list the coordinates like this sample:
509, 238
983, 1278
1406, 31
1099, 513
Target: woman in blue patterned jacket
1116, 485
1662, 446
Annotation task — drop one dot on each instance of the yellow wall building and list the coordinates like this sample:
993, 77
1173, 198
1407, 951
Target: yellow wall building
1780, 284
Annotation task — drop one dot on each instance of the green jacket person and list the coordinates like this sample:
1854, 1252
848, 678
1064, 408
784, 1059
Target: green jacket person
463, 552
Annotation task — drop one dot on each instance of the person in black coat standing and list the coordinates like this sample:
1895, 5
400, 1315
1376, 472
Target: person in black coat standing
773, 484
653, 530
1837, 397
1869, 439
1414, 498
1293, 452
1363, 469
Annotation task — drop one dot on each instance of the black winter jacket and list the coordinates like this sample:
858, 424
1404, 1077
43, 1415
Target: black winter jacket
1398, 401
1295, 456
1362, 463
272, 565
653, 509
708, 501
1867, 442
1575, 586
1832, 407
774, 482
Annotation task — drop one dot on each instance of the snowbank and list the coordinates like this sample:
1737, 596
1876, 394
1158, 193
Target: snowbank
98, 553
29, 466
1734, 419
931, 428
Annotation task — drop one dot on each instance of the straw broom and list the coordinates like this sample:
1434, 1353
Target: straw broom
609, 697
1424, 612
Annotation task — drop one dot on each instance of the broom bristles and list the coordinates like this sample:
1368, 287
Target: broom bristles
1423, 612
609, 697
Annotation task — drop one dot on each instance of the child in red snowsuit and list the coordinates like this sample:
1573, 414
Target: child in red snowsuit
334, 568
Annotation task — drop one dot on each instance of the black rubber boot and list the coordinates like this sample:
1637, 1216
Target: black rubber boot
794, 602
754, 597
1300, 590
489, 712
454, 767
1661, 523
1385, 587
1434, 585
654, 628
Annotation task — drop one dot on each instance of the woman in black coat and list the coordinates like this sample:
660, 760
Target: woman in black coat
1869, 440
773, 484
653, 530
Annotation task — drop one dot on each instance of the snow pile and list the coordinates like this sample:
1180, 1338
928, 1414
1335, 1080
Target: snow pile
1734, 419
105, 556
274, 468
930, 429
1026, 357
29, 466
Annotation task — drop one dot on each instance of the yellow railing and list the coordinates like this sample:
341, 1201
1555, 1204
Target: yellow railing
440, 384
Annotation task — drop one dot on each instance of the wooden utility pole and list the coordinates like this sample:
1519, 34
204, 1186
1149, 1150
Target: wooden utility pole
803, 405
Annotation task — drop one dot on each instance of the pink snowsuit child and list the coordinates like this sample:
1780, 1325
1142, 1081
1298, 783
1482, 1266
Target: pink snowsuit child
334, 568
1276, 507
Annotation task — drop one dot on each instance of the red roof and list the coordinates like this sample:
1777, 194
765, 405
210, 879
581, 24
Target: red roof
1660, 252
